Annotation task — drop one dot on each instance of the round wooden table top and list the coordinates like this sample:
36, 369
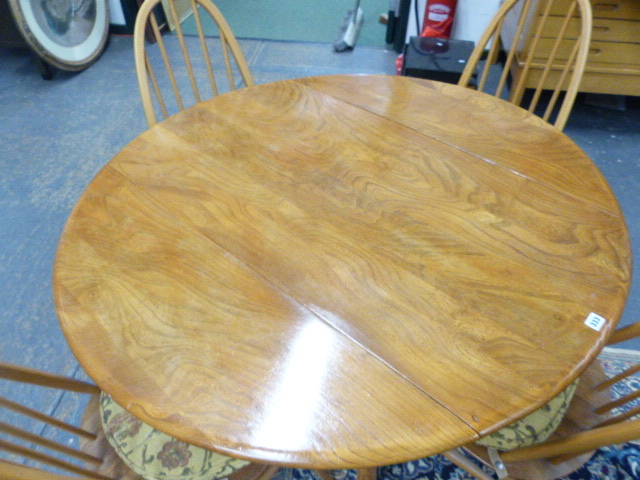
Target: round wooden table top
342, 271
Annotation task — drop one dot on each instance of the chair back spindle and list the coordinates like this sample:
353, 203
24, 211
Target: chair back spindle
545, 44
36, 445
174, 80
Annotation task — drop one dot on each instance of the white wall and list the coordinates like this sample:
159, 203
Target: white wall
470, 21
116, 13
472, 17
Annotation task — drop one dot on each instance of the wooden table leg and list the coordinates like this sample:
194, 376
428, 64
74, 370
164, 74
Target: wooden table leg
324, 474
255, 471
367, 473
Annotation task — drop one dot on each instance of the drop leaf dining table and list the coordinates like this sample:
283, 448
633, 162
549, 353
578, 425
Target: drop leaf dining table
342, 271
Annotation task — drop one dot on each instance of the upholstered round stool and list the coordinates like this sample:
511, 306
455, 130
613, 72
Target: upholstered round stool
535, 427
157, 456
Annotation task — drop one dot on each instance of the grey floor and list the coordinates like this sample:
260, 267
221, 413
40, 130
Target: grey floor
55, 135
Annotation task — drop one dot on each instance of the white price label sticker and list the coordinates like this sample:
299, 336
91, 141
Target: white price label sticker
595, 321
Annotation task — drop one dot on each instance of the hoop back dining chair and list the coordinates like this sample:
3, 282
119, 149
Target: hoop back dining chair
143, 449
187, 61
112, 443
594, 419
546, 43
36, 445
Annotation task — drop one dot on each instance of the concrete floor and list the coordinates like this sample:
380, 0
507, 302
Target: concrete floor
56, 135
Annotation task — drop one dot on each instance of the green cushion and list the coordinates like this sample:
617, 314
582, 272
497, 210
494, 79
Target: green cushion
535, 427
157, 456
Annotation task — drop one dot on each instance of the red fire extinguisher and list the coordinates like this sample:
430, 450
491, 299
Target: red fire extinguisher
438, 18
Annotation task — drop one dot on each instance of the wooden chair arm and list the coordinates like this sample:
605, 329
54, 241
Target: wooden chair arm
579, 443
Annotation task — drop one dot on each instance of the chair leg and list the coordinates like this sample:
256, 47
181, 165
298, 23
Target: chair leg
268, 472
324, 474
255, 471
459, 459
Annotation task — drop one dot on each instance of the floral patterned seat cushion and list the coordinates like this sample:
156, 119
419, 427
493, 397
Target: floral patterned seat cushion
157, 456
535, 427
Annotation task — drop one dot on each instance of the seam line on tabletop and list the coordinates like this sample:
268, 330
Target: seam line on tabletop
452, 145
280, 288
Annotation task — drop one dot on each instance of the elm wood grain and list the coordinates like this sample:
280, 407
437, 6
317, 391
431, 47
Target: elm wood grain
268, 360
497, 132
341, 271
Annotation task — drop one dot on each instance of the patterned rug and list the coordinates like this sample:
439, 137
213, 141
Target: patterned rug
618, 462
